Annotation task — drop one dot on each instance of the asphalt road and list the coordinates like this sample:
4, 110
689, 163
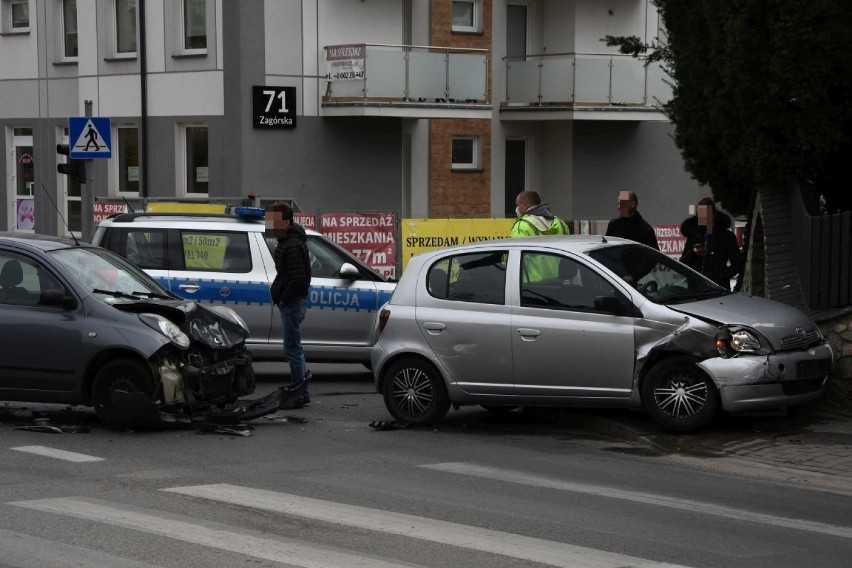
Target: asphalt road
320, 487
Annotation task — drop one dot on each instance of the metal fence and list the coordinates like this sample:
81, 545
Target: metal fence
831, 261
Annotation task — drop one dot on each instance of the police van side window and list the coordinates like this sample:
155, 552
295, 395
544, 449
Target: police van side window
147, 249
216, 251
325, 263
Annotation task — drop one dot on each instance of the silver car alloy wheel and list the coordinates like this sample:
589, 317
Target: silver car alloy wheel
681, 397
412, 391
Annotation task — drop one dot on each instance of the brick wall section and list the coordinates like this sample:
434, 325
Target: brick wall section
458, 194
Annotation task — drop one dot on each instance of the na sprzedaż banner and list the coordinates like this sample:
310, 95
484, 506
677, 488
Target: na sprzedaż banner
369, 236
421, 235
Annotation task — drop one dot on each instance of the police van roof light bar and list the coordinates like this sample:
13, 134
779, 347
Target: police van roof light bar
246, 212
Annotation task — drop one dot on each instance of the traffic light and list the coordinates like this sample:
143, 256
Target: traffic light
74, 169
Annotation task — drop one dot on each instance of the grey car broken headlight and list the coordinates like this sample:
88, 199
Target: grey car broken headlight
167, 328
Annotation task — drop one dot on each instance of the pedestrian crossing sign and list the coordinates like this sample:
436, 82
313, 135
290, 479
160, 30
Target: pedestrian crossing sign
89, 137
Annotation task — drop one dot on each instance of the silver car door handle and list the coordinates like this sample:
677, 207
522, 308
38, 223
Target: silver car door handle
528, 334
190, 287
434, 327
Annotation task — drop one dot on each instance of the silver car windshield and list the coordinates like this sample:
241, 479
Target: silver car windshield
108, 275
656, 276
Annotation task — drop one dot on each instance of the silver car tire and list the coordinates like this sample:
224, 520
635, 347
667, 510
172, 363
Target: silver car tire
415, 392
678, 396
121, 374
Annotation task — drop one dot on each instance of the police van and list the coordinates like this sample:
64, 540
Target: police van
226, 259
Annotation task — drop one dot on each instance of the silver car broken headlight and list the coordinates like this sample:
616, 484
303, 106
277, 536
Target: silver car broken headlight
730, 342
167, 328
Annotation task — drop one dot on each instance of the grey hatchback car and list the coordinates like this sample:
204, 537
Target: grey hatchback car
587, 321
83, 326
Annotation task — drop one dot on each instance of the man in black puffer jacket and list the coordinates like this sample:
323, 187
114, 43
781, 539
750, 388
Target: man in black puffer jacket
289, 290
714, 253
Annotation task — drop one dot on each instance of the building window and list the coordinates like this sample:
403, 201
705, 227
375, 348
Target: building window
69, 28
466, 153
196, 160
128, 159
19, 13
125, 27
194, 15
467, 16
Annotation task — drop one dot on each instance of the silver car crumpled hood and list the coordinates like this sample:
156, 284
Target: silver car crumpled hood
198, 322
774, 320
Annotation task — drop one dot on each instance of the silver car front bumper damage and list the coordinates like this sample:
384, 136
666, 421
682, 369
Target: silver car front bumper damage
755, 382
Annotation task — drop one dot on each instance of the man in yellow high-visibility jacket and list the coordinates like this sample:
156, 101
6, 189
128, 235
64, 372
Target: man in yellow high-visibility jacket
535, 218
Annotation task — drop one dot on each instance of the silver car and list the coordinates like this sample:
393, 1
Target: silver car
580, 321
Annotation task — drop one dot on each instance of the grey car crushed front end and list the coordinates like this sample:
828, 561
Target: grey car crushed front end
199, 375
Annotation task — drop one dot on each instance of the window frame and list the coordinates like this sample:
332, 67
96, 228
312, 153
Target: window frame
122, 165
8, 17
183, 37
63, 30
475, 164
476, 9
116, 29
187, 163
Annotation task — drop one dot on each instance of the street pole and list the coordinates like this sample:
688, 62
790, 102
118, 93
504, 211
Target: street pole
87, 191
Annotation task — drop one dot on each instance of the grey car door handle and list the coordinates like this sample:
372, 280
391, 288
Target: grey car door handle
190, 287
528, 334
434, 327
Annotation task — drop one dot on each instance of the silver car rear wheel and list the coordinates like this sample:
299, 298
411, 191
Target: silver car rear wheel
414, 391
678, 396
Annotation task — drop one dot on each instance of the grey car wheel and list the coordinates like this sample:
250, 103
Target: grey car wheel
121, 374
414, 391
679, 396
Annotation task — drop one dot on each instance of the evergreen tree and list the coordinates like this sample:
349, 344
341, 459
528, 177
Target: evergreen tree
762, 94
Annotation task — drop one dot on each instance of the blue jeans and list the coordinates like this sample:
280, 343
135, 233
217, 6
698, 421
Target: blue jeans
292, 315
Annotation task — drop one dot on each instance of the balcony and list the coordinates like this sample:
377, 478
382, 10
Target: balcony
406, 81
584, 86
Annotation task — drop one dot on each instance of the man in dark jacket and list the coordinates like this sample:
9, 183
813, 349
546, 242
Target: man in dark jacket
289, 290
711, 247
629, 224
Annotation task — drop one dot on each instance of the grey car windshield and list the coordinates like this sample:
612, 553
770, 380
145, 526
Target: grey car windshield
656, 276
103, 273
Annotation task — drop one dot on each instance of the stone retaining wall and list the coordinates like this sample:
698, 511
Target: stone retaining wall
838, 331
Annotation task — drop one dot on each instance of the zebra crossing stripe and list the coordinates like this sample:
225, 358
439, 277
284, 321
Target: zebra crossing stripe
58, 454
510, 476
213, 535
24, 551
485, 540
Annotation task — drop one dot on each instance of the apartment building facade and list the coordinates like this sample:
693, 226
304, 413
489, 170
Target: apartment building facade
431, 108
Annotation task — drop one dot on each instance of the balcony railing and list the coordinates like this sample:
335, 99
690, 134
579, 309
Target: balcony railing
585, 79
406, 73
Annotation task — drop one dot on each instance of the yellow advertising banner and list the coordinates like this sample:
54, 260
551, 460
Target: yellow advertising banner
183, 207
421, 235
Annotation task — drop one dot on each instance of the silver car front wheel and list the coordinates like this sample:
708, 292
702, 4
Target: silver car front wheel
678, 396
414, 391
